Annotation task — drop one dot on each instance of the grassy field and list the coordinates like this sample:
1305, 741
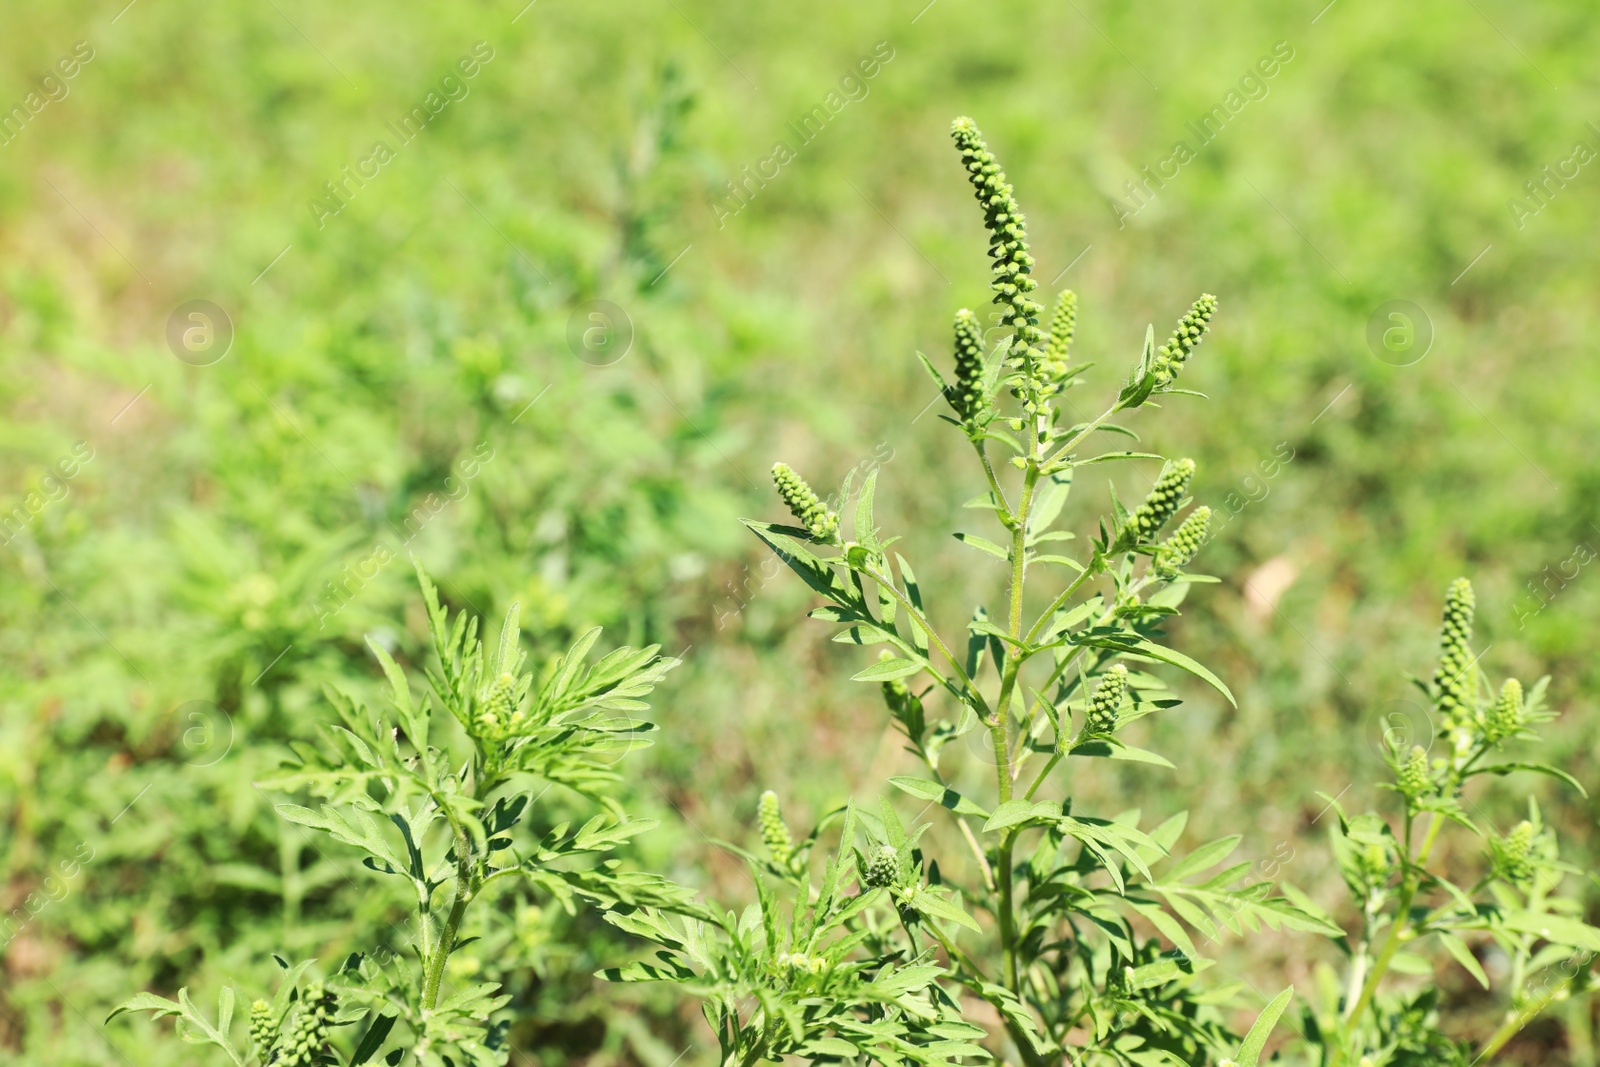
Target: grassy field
538, 294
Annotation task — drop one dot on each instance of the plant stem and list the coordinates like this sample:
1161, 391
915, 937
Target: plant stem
1401, 924
886, 582
452, 923
1080, 435
977, 850
1000, 724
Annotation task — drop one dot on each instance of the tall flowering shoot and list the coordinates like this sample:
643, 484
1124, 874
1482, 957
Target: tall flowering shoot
1075, 931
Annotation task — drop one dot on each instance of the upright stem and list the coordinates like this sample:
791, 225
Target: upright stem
452, 923
1000, 724
1401, 924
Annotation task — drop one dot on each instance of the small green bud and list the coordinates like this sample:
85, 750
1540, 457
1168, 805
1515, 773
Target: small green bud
1513, 854
1105, 706
774, 831
1508, 714
263, 1032
1176, 551
1164, 500
1185, 339
822, 524
1456, 680
1412, 779
883, 868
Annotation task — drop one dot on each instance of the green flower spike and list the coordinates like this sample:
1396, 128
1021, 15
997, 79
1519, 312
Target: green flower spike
1513, 854
883, 869
1105, 707
1063, 323
822, 524
1456, 680
1412, 780
1176, 551
1164, 500
1508, 714
1008, 246
774, 831
1171, 356
303, 1047
262, 1030
965, 394
499, 714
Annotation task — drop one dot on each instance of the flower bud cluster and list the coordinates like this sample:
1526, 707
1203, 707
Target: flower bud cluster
883, 867
1171, 356
966, 394
304, 1044
498, 714
1456, 680
1013, 264
1063, 323
774, 831
799, 961
1105, 707
1164, 499
814, 515
1513, 854
1176, 551
1508, 714
1413, 780
263, 1031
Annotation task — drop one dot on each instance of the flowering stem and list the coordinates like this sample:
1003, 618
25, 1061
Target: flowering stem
1000, 723
1402, 922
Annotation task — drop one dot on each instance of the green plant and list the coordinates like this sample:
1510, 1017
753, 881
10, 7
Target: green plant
445, 817
1515, 904
883, 957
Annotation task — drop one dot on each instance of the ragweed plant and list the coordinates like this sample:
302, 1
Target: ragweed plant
1513, 908
1026, 927
450, 821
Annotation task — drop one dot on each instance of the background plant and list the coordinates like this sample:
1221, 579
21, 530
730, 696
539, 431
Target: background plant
1516, 904
446, 825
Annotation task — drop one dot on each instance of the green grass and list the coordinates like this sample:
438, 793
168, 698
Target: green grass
419, 321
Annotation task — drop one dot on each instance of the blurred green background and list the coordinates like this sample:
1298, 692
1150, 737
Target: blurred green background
165, 620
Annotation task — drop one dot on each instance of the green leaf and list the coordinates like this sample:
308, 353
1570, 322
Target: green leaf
373, 1039
1018, 812
863, 521
928, 789
887, 670
983, 545
1557, 928
1256, 1039
1207, 855
930, 901
1107, 457
1537, 768
1463, 955
1134, 644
